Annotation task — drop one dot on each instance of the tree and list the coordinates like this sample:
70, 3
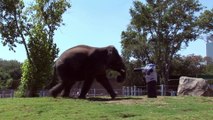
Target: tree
13, 24
206, 21
159, 29
206, 24
190, 65
209, 69
33, 26
16, 20
10, 73
132, 77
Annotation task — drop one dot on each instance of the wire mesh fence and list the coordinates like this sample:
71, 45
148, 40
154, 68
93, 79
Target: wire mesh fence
162, 90
6, 93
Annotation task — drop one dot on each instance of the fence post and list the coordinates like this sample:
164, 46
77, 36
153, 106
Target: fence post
123, 91
162, 89
12, 92
40, 93
141, 90
94, 92
3, 93
127, 91
135, 90
172, 93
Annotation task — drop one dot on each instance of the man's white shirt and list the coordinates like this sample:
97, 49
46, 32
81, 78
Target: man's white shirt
152, 76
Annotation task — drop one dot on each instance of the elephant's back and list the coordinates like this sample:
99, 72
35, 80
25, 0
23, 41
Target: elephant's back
74, 59
80, 50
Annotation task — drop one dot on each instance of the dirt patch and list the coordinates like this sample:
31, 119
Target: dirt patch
132, 100
127, 101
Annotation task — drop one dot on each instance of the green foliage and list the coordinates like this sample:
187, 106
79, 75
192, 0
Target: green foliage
10, 71
12, 22
42, 52
206, 21
159, 29
4, 75
191, 65
131, 108
25, 79
33, 26
209, 69
132, 77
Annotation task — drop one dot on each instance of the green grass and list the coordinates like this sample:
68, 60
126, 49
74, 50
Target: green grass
130, 108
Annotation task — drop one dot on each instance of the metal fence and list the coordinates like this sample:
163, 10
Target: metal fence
6, 93
162, 90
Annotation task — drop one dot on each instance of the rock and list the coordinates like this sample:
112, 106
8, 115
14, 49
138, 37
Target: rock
194, 87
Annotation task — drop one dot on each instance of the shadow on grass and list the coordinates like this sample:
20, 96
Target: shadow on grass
109, 99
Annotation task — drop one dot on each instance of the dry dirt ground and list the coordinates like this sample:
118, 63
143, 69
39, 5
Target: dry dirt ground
131, 100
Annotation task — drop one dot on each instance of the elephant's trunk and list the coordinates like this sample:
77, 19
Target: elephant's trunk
122, 75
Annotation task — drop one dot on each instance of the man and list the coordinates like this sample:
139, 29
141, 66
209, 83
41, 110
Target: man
151, 79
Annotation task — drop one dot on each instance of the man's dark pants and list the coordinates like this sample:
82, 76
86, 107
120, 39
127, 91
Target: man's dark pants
151, 89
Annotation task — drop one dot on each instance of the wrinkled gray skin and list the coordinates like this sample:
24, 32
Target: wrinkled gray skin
86, 63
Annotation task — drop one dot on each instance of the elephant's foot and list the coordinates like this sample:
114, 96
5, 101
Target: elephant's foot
113, 96
53, 94
82, 97
65, 96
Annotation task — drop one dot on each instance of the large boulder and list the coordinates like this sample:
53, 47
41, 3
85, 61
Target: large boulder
194, 87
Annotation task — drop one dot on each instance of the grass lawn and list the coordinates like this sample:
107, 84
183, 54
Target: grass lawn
123, 108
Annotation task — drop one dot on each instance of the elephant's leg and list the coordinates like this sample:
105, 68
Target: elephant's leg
63, 77
67, 88
103, 80
86, 86
56, 89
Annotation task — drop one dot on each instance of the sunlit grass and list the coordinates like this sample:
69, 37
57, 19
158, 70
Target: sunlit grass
131, 108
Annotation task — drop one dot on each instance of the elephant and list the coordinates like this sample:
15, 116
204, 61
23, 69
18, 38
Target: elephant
87, 63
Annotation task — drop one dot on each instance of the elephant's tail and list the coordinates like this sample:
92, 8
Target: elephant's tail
54, 80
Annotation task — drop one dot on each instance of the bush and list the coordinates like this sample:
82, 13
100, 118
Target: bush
23, 87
